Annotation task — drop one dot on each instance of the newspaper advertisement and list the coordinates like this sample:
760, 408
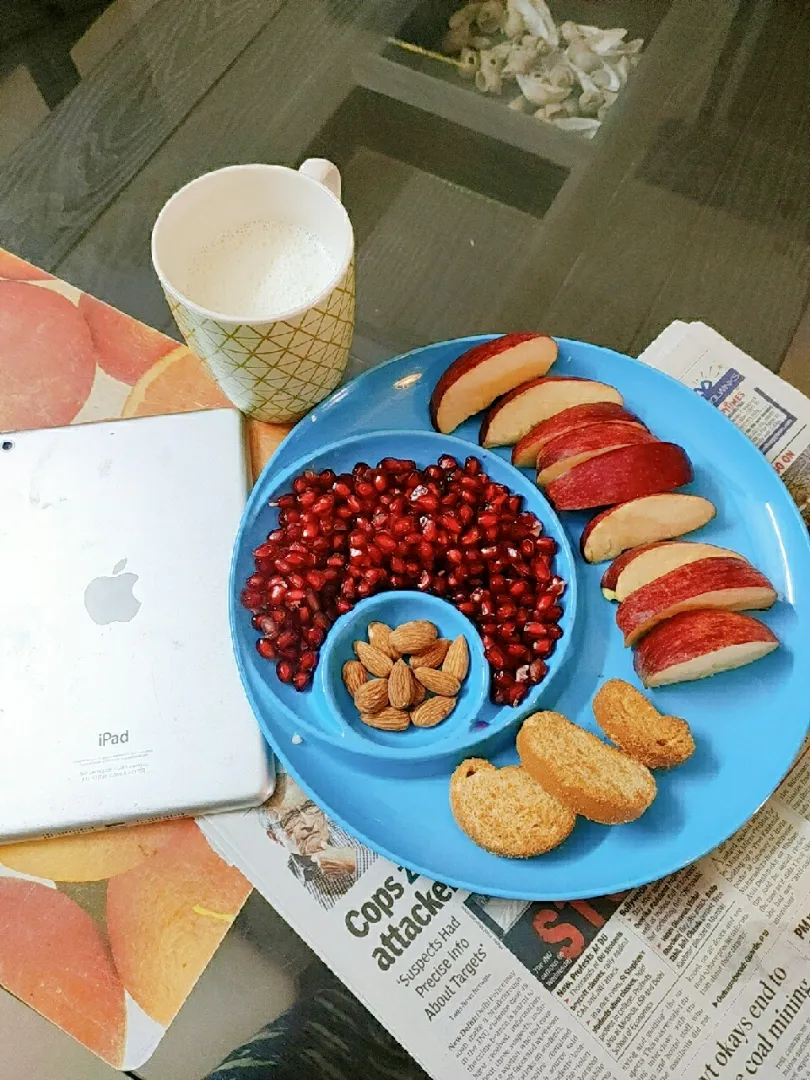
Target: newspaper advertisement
704, 975
774, 415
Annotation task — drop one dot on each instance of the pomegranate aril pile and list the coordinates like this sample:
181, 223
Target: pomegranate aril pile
447, 530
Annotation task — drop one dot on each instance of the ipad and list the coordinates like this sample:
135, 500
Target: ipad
120, 700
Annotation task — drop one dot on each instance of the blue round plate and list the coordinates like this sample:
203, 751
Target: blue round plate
748, 724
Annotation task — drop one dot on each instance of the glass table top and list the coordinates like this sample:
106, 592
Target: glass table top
690, 202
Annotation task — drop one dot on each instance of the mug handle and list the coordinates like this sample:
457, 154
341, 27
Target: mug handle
324, 172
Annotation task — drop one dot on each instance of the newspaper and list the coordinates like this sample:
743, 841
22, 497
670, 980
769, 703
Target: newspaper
704, 975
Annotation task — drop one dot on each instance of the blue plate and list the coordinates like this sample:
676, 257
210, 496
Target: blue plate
748, 724
314, 712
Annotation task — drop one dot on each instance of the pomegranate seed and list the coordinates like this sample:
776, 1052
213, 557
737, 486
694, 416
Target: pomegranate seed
516, 694
537, 670
342, 538
518, 652
427, 502
495, 657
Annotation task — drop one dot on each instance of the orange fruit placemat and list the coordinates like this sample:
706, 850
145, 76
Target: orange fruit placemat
105, 934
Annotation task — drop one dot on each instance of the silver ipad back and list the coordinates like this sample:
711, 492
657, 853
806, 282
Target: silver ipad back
120, 700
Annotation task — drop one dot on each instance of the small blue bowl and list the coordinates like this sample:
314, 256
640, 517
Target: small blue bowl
395, 608
314, 712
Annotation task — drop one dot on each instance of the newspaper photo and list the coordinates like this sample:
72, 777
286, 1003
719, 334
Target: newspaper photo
704, 975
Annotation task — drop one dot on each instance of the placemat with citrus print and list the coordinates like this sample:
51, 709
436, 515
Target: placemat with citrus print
105, 934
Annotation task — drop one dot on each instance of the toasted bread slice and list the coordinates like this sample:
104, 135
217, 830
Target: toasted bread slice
505, 811
595, 780
633, 724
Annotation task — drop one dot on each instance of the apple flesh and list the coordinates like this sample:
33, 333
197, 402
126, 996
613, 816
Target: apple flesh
619, 475
660, 559
485, 372
517, 413
526, 450
696, 644
562, 453
731, 584
638, 523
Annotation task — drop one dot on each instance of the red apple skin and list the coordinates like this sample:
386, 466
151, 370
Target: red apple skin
592, 437
574, 418
708, 583
611, 575
693, 634
630, 472
470, 359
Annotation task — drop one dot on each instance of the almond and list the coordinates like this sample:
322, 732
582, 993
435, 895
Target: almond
433, 711
389, 719
419, 694
400, 685
372, 697
379, 637
432, 656
414, 637
354, 675
440, 682
457, 660
373, 660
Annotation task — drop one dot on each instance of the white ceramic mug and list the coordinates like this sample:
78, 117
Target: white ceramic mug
277, 367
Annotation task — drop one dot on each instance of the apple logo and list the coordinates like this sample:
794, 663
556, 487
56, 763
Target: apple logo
110, 599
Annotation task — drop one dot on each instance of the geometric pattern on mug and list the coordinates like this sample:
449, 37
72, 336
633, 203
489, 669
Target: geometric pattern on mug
282, 373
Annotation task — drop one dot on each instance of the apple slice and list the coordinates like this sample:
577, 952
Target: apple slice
638, 523
580, 444
483, 373
577, 416
731, 584
516, 414
696, 644
619, 475
660, 559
